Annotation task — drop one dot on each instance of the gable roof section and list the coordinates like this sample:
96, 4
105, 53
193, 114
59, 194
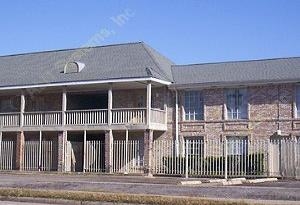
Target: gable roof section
163, 63
121, 61
240, 72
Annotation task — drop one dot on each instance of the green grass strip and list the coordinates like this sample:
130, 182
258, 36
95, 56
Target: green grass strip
112, 197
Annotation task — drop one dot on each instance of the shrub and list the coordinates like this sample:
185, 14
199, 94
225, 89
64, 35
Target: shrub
251, 164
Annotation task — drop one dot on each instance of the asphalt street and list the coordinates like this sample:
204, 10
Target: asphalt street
282, 190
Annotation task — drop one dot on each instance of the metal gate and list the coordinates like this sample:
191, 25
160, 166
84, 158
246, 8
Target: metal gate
38, 156
7, 154
128, 156
95, 155
284, 157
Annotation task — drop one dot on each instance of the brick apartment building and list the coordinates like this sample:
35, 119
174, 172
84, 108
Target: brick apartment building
102, 109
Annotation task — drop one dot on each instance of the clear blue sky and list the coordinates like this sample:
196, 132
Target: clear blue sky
188, 32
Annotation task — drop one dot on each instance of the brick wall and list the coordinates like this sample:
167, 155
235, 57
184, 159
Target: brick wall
129, 98
270, 107
138, 97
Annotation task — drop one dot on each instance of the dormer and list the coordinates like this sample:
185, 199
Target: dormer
73, 67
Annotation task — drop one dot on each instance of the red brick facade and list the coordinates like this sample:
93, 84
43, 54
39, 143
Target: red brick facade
270, 108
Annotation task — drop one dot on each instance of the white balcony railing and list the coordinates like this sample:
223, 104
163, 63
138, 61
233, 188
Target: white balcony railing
86, 117
119, 116
158, 116
129, 116
9, 119
49, 118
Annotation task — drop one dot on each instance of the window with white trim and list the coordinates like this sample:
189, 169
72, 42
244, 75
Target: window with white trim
237, 145
236, 104
193, 106
298, 101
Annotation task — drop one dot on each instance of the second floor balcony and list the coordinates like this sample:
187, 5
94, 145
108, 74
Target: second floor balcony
92, 117
94, 110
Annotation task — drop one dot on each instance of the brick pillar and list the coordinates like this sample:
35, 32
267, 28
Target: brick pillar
20, 150
108, 151
62, 138
148, 146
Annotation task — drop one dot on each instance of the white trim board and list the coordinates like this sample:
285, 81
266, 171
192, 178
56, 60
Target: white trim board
85, 83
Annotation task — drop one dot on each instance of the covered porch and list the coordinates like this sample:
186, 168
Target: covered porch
136, 105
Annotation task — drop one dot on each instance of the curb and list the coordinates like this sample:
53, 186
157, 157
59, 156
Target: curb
190, 182
255, 181
215, 180
232, 182
225, 182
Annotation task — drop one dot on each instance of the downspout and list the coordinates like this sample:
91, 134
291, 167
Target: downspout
278, 111
176, 124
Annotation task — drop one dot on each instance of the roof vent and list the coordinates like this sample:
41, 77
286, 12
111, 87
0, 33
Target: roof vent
74, 67
149, 72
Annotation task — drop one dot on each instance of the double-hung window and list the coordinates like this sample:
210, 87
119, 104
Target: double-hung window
193, 105
237, 105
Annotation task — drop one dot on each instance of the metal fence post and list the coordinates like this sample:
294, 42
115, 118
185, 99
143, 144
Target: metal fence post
269, 158
186, 159
0, 150
295, 157
84, 152
126, 153
40, 151
226, 159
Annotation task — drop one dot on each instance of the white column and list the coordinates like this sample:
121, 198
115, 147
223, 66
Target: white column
64, 107
148, 103
176, 124
84, 151
226, 158
109, 107
0, 147
40, 151
126, 152
111, 144
22, 110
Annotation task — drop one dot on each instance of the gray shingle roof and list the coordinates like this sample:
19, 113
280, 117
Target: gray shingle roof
255, 71
138, 60
131, 60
